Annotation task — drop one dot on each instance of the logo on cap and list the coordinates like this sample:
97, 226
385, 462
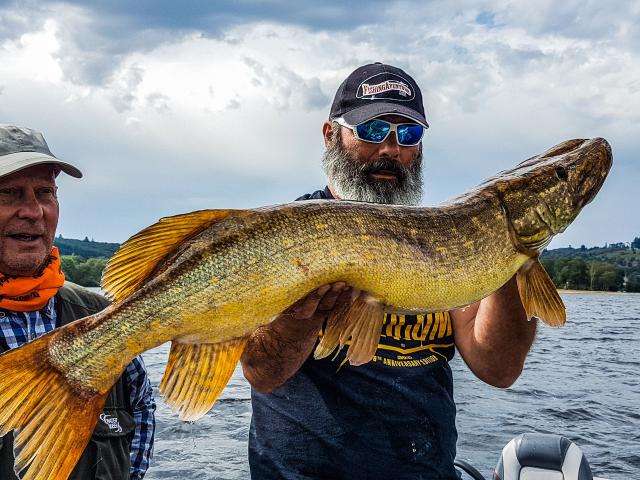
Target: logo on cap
383, 86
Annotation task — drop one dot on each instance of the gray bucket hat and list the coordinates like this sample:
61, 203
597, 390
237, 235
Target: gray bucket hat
23, 147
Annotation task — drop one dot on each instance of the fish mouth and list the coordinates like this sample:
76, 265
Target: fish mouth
600, 161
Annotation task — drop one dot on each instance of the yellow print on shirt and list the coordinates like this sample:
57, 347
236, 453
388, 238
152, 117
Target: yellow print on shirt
433, 326
410, 341
415, 340
421, 362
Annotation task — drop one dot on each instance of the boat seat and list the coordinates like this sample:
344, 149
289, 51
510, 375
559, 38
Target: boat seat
538, 456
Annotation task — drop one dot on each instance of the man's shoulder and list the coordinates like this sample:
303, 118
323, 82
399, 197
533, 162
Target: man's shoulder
324, 194
77, 295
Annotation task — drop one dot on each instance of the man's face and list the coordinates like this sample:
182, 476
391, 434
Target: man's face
372, 172
28, 219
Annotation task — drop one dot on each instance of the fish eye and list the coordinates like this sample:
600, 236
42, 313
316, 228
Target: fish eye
561, 173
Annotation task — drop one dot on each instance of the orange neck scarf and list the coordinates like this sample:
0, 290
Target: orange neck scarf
28, 294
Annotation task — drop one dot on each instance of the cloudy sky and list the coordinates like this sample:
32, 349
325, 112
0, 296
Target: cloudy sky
169, 107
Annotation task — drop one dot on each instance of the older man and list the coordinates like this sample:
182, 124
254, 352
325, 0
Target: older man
35, 299
395, 416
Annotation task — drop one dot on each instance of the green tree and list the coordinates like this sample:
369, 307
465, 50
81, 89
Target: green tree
85, 272
572, 273
633, 281
606, 276
549, 265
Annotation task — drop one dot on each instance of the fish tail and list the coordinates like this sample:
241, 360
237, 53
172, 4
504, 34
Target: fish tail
52, 420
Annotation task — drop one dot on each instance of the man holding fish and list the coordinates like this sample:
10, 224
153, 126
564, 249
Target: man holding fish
395, 416
35, 299
209, 280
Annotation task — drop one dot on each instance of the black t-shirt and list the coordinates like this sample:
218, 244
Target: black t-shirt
393, 417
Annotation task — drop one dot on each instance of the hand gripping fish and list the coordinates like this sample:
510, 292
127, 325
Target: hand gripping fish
206, 280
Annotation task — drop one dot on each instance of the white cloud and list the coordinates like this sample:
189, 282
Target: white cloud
32, 55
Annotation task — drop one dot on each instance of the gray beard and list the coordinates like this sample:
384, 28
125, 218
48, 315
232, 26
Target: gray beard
351, 179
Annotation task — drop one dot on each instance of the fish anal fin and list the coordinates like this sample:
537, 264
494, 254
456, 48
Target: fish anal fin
335, 324
539, 295
364, 324
141, 254
52, 419
361, 321
197, 373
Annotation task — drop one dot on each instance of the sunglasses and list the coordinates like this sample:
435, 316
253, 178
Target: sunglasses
377, 131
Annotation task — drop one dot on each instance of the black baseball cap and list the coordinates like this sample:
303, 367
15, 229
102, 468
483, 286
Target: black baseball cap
378, 89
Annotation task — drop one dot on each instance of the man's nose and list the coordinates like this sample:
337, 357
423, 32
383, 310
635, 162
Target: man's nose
29, 206
390, 146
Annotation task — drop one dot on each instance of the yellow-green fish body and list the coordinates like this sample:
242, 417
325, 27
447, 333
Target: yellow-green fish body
241, 272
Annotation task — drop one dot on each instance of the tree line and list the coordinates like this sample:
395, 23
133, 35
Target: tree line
84, 260
578, 274
612, 268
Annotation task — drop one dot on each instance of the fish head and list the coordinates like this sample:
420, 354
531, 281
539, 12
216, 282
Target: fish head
543, 195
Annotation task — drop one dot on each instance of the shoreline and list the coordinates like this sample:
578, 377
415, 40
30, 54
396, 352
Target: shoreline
562, 290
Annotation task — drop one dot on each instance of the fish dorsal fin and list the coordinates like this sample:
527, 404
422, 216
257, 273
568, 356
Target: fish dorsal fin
197, 373
362, 323
139, 256
539, 295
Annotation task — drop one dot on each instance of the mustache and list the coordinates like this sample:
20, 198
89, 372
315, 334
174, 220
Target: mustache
25, 229
388, 164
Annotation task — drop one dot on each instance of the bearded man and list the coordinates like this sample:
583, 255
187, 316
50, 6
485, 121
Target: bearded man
35, 299
393, 417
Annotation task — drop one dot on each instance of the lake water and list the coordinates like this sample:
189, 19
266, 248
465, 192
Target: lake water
581, 381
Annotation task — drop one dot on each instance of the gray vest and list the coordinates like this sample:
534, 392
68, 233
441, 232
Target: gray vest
106, 457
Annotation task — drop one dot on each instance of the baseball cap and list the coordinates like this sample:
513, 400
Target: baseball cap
378, 89
23, 147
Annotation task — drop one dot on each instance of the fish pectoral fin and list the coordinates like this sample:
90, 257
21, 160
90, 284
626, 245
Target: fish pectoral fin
362, 323
539, 295
140, 256
52, 419
197, 373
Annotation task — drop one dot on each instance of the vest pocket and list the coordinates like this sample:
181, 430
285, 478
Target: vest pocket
114, 422
107, 457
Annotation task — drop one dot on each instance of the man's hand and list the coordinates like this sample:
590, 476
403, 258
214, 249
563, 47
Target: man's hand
276, 351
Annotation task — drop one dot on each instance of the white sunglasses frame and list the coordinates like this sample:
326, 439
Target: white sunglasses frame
394, 128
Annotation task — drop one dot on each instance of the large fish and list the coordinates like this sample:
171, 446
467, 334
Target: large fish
206, 280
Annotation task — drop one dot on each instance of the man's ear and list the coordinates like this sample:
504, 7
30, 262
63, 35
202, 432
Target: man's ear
328, 133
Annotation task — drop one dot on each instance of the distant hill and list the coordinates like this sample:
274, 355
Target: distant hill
620, 254
614, 267
85, 248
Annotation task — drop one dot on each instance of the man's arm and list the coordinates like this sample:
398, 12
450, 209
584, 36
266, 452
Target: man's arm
141, 400
277, 350
493, 336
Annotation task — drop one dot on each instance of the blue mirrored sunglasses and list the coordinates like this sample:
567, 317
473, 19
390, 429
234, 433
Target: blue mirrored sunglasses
377, 131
